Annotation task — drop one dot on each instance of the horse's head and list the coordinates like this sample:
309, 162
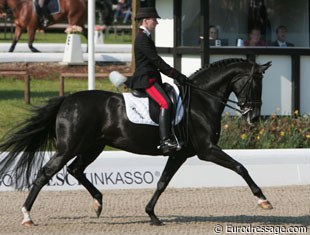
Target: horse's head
247, 87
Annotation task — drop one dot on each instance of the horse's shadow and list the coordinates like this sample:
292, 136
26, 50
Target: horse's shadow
238, 219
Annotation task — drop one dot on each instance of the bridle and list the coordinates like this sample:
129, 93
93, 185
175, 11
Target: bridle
189, 87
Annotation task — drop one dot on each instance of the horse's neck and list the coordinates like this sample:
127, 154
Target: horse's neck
217, 84
214, 91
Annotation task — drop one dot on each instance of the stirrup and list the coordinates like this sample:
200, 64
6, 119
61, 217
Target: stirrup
169, 145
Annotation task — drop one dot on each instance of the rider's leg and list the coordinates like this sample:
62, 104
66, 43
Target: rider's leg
167, 141
42, 13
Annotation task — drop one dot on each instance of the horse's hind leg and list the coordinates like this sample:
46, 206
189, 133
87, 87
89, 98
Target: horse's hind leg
216, 155
31, 35
172, 166
45, 174
77, 167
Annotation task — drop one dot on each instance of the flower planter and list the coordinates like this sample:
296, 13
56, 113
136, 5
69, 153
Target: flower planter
99, 37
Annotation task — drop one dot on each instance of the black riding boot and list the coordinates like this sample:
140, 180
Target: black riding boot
43, 16
167, 141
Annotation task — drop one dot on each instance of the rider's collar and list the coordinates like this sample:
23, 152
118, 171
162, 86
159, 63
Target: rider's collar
148, 33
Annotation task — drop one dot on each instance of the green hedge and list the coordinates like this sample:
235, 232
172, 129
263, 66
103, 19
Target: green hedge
271, 132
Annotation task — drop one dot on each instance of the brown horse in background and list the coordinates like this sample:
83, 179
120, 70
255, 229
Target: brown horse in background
26, 18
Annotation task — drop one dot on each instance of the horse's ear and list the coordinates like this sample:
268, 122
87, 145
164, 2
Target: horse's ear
262, 68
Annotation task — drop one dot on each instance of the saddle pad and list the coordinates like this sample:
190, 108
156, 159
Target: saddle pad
53, 6
137, 110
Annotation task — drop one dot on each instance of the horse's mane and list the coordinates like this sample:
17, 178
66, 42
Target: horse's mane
217, 64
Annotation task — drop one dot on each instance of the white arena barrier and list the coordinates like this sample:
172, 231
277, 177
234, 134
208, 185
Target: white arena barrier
122, 170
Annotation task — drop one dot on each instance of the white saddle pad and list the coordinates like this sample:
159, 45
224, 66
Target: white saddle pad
137, 110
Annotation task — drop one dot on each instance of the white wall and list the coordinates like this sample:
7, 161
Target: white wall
164, 29
305, 85
277, 90
123, 170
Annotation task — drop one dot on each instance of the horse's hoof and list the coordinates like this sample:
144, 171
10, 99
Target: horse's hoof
157, 222
97, 207
28, 223
265, 204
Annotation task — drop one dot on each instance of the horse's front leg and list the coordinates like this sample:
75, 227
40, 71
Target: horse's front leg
172, 166
17, 35
31, 35
216, 155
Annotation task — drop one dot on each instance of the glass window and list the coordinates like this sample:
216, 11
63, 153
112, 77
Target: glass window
190, 23
235, 19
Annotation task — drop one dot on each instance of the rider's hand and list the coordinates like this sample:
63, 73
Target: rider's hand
181, 79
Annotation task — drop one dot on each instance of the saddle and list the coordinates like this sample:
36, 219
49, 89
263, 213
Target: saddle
53, 6
153, 106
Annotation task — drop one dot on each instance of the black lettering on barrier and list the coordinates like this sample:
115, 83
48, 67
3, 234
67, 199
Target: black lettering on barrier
68, 181
103, 178
108, 178
6, 180
128, 176
60, 179
148, 173
98, 177
138, 177
119, 178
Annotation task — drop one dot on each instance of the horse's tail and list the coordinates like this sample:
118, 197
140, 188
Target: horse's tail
23, 149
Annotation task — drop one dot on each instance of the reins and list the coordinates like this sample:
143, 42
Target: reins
188, 87
226, 101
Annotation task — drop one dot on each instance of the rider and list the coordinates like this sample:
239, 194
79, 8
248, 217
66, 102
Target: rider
42, 12
148, 65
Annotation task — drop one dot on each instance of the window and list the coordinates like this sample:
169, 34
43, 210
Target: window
190, 22
235, 18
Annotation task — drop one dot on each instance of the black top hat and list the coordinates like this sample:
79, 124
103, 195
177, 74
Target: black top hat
146, 12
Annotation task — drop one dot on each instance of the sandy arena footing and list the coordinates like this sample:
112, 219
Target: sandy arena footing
184, 211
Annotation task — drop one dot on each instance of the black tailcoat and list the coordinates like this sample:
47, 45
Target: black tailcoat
148, 63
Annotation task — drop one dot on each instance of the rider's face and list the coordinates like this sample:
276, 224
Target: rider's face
150, 23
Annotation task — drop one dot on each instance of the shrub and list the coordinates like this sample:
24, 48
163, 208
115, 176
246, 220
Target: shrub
270, 132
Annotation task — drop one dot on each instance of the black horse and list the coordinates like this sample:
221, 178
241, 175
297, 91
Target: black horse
82, 124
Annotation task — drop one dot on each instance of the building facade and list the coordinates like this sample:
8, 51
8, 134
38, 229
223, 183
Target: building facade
182, 38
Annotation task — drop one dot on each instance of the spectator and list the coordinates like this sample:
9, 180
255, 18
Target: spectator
213, 32
281, 38
214, 39
255, 38
127, 11
122, 11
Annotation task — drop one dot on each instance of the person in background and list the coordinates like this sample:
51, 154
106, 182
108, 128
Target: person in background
255, 38
214, 39
148, 65
281, 38
213, 32
42, 12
